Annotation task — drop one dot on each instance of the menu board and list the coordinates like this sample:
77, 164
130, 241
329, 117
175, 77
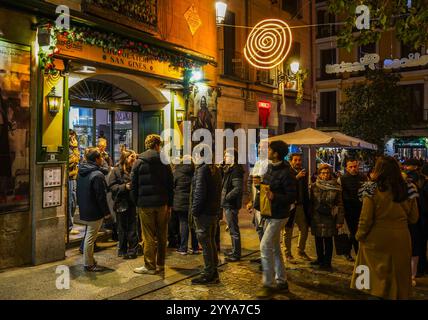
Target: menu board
52, 177
51, 197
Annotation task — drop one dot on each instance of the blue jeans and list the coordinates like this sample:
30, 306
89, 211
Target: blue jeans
270, 250
72, 201
232, 221
183, 217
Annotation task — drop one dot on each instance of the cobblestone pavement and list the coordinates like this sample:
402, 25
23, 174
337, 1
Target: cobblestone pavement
239, 281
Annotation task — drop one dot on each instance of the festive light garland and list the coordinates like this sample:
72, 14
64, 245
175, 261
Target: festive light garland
112, 42
268, 44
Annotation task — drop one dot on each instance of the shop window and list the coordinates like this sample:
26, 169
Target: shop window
82, 122
328, 109
405, 50
92, 124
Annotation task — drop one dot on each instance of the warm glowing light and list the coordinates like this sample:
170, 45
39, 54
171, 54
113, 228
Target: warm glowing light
268, 44
294, 67
196, 76
220, 8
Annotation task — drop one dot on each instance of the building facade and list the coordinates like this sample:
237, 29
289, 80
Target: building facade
330, 86
117, 73
246, 91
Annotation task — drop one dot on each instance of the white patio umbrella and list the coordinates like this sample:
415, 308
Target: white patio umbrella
312, 138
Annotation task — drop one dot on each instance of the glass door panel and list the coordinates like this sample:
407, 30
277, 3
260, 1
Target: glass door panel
122, 132
82, 122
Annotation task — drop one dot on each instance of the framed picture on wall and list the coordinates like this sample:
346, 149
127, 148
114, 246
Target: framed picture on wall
14, 127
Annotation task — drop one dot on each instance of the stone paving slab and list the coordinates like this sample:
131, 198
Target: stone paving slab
119, 281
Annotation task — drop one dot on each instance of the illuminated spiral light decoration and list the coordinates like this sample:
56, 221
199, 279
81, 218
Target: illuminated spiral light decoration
268, 44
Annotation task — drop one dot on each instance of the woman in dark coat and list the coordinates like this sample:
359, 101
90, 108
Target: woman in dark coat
119, 183
183, 174
326, 214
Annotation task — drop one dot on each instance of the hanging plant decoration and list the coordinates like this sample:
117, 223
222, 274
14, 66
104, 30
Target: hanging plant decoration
111, 41
301, 76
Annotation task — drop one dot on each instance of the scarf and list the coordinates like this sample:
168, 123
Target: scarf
328, 185
368, 190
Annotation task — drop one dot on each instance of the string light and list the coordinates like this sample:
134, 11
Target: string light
268, 44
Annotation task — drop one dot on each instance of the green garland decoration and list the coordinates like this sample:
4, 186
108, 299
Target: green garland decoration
300, 79
113, 42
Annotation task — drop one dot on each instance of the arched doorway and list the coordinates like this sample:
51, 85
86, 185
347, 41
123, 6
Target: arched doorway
122, 109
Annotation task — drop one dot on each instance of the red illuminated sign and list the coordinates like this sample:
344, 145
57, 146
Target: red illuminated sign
264, 104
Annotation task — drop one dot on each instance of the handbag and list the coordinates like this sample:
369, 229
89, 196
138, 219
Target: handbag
265, 203
120, 206
342, 243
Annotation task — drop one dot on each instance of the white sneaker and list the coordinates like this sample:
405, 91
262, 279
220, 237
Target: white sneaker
144, 270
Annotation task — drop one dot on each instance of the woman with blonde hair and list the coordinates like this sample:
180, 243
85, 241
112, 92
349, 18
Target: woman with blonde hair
389, 205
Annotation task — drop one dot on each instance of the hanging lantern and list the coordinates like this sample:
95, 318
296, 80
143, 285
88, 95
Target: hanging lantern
54, 102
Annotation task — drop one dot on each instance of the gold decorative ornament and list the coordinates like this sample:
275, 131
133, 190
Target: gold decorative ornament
268, 44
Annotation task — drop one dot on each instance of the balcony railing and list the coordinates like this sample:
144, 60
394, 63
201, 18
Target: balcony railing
233, 64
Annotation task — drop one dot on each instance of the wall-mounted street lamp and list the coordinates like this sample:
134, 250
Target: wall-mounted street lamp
54, 102
220, 11
289, 75
196, 75
294, 67
179, 115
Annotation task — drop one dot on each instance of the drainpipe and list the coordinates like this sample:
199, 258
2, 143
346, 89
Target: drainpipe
312, 57
247, 21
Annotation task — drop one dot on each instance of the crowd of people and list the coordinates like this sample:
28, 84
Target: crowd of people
383, 215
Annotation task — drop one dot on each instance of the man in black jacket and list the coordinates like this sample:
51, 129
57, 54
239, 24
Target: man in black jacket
231, 200
152, 192
282, 194
205, 208
351, 181
92, 201
300, 213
